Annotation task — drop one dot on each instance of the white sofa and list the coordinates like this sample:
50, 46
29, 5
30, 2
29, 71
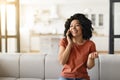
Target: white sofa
28, 66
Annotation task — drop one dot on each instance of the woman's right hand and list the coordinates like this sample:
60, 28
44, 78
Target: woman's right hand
69, 39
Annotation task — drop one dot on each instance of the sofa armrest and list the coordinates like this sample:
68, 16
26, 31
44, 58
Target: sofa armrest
109, 67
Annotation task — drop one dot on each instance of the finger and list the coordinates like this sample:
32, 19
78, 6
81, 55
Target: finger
68, 32
92, 55
96, 54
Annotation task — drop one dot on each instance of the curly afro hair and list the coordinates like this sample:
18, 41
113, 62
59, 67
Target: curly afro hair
85, 23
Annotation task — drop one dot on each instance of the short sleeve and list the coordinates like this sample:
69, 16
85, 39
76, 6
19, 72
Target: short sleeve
63, 42
92, 47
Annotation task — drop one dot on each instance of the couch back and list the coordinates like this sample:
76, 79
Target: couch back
32, 66
46, 67
52, 67
22, 66
40, 66
9, 65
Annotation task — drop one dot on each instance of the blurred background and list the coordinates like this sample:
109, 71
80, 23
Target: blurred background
38, 25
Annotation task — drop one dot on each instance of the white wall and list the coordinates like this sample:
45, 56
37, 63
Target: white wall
65, 8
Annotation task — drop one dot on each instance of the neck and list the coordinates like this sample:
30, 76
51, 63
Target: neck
78, 40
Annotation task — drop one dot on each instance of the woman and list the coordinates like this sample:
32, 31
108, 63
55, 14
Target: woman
76, 51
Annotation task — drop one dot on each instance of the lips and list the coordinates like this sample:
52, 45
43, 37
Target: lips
74, 31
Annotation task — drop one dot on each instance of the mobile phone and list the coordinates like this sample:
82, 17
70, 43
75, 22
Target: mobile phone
70, 35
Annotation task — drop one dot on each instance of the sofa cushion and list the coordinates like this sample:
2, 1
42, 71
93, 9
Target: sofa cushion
32, 66
52, 67
7, 78
9, 65
29, 79
109, 67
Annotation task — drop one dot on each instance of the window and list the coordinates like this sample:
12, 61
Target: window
9, 26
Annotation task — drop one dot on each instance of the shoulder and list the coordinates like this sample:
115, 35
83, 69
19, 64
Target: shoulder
63, 42
92, 46
90, 42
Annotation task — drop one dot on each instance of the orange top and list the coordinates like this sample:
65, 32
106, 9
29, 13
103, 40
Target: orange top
76, 64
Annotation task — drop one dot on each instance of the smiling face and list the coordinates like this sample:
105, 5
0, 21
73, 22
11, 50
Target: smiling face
76, 28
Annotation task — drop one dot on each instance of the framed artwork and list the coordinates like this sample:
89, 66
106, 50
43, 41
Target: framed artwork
100, 19
93, 19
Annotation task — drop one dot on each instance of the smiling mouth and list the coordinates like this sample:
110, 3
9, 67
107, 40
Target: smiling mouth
74, 32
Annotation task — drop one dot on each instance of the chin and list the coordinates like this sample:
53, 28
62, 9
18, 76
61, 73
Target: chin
74, 35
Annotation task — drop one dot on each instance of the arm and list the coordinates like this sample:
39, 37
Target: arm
91, 60
64, 54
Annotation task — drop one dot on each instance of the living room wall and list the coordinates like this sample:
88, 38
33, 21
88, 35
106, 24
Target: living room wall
49, 18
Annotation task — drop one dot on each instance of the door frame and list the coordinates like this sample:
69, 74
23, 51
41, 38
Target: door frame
111, 31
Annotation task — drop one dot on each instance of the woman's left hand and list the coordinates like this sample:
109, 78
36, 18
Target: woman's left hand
93, 55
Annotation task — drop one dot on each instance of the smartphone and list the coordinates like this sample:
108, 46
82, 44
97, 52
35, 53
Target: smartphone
70, 35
